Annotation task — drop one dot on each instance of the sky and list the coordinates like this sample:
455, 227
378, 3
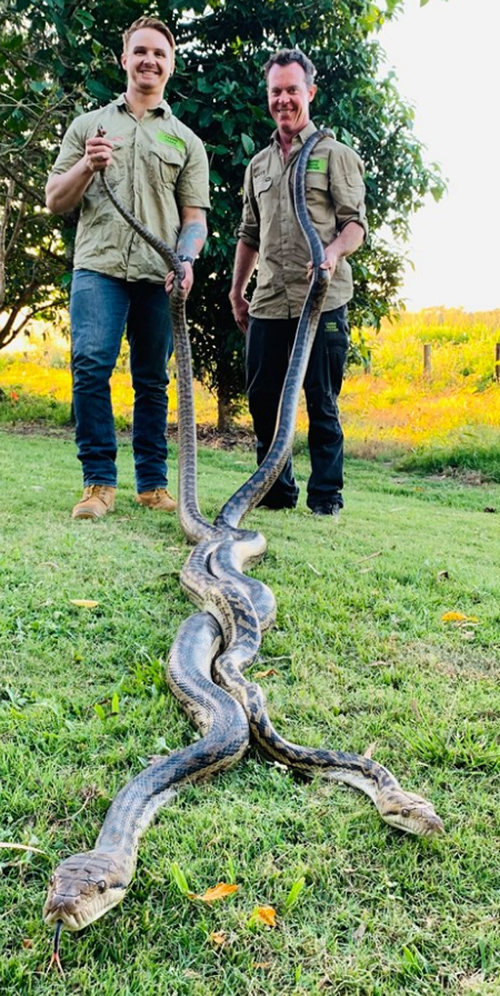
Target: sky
446, 57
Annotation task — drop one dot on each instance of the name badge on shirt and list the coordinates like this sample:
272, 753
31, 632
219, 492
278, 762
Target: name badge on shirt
317, 166
172, 140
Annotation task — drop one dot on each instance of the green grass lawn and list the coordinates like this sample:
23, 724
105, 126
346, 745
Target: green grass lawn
360, 658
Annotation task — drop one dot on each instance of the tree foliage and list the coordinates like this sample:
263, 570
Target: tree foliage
44, 69
64, 58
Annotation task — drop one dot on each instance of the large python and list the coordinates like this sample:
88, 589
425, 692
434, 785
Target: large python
222, 639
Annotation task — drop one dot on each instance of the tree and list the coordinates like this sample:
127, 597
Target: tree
221, 93
218, 90
48, 62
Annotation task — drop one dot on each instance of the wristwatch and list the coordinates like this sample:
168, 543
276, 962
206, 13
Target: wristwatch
185, 259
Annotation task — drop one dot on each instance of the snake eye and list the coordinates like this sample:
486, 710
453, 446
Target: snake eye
102, 885
405, 813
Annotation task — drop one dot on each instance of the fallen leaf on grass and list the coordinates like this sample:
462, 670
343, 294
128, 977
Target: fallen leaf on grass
266, 674
370, 749
443, 576
369, 557
261, 964
414, 708
27, 942
219, 891
359, 933
458, 617
265, 914
84, 603
218, 937
314, 569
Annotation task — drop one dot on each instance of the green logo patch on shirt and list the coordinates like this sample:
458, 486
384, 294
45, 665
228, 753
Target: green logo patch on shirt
316, 166
172, 140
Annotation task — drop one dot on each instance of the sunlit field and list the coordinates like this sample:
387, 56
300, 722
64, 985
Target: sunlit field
390, 405
400, 405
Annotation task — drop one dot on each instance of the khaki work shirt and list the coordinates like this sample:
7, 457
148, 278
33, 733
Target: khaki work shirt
159, 166
335, 196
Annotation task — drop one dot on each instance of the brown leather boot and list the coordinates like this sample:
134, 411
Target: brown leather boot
160, 499
97, 499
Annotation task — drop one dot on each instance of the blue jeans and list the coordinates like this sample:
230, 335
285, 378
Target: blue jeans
269, 344
100, 308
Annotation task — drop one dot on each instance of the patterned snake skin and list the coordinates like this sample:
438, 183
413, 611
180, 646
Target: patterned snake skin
222, 639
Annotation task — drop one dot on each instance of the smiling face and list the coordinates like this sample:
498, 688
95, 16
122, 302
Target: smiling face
148, 62
289, 96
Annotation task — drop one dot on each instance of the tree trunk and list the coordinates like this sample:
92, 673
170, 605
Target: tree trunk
224, 414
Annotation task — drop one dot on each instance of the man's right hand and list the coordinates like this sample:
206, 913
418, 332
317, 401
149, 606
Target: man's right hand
98, 153
240, 307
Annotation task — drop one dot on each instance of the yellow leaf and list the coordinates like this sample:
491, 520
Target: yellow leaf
266, 915
266, 674
219, 891
457, 617
218, 937
84, 603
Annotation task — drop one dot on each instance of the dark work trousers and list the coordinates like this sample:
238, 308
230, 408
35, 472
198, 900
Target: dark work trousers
269, 344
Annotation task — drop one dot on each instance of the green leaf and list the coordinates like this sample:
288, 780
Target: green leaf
248, 144
179, 878
98, 90
294, 893
100, 712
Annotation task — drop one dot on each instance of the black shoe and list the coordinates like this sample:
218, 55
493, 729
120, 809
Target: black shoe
327, 508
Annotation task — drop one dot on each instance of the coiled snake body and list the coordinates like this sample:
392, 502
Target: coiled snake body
216, 644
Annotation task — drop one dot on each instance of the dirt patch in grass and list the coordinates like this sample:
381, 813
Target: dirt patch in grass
208, 435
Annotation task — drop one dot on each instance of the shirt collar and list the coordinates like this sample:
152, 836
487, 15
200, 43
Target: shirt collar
301, 137
162, 108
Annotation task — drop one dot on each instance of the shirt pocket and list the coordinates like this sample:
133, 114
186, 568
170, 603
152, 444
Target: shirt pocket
320, 204
262, 185
317, 181
164, 166
352, 185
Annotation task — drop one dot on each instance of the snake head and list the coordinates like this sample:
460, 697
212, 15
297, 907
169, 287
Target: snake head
83, 888
411, 813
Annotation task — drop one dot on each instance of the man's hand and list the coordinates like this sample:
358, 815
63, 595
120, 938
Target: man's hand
98, 153
329, 264
350, 238
240, 307
186, 283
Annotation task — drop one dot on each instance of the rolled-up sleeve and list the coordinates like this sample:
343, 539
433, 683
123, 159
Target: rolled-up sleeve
193, 182
249, 227
347, 188
72, 148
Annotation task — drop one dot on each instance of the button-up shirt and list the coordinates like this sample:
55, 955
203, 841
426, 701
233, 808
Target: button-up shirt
334, 196
159, 166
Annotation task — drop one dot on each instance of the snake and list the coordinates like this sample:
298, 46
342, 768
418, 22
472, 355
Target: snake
219, 642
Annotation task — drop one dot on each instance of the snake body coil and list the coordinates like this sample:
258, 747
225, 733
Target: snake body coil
222, 639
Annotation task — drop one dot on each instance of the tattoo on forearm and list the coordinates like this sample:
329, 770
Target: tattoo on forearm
191, 239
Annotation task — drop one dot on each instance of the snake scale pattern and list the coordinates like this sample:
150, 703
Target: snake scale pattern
215, 645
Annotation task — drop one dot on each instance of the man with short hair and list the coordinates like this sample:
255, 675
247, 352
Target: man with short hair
270, 236
158, 168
